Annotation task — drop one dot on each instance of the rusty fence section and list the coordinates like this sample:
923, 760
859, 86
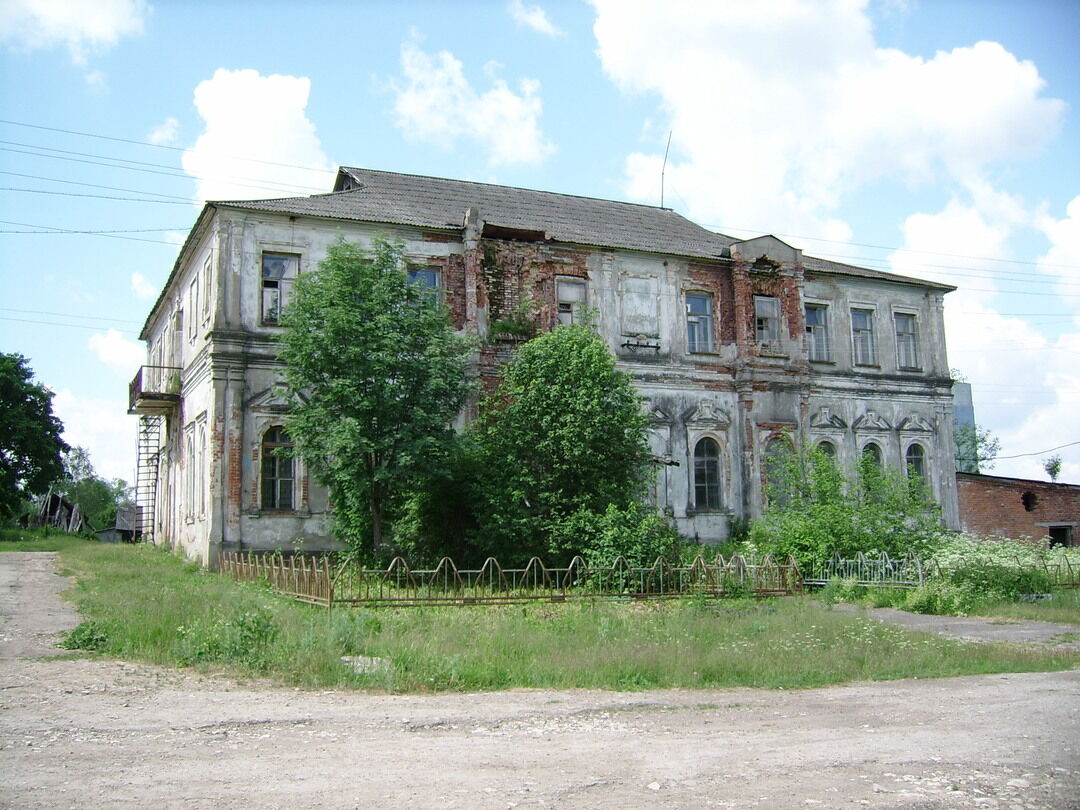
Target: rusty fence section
1062, 572
303, 578
317, 581
881, 571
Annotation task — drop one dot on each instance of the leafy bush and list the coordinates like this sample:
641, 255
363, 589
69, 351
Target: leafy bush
634, 532
243, 638
814, 512
88, 635
941, 598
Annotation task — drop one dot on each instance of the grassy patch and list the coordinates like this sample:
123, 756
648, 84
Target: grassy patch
1063, 607
142, 603
38, 540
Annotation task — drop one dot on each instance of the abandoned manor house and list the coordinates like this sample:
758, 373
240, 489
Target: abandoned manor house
737, 347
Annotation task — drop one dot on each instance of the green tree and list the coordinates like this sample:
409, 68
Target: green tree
30, 443
1052, 466
563, 435
378, 375
976, 448
814, 511
96, 497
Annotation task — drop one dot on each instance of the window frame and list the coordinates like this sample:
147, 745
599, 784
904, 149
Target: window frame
270, 500
918, 467
708, 480
703, 323
908, 339
868, 333
434, 291
874, 449
282, 285
569, 311
767, 326
207, 286
817, 335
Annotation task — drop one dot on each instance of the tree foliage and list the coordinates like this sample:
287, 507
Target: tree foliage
976, 449
1052, 465
562, 435
815, 511
30, 443
96, 497
378, 375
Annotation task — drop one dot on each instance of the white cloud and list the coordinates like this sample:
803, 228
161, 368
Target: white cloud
113, 349
83, 27
533, 17
1025, 385
142, 288
438, 105
777, 117
104, 428
1063, 257
258, 141
164, 133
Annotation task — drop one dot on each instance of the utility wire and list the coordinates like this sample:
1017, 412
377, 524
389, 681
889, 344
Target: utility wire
95, 185
95, 196
1037, 453
67, 315
69, 325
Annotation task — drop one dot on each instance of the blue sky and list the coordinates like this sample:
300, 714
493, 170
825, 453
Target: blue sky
937, 139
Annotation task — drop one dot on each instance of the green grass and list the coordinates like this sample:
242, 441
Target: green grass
1063, 607
142, 603
38, 540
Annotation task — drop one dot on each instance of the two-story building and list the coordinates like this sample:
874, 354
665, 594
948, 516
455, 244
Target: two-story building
737, 346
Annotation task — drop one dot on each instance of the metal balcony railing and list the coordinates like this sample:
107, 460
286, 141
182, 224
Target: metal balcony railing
155, 390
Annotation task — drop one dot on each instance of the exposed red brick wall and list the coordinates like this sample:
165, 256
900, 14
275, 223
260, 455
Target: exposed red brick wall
992, 505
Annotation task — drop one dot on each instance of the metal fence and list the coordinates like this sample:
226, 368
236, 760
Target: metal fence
317, 581
881, 571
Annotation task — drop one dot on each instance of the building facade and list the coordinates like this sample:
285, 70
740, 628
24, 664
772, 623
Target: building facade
1018, 508
737, 347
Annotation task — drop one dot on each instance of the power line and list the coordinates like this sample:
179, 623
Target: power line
1038, 452
95, 185
94, 196
53, 230
69, 325
106, 234
68, 315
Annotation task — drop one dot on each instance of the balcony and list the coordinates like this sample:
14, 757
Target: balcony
155, 390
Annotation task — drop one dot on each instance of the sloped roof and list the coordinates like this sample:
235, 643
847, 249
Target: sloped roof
433, 202
813, 264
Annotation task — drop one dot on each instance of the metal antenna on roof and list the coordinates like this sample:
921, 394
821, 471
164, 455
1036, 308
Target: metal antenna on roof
664, 168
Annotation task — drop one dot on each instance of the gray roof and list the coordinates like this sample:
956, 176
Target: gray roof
434, 202
814, 264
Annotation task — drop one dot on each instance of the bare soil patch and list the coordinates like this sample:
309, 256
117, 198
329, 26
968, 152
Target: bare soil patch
98, 733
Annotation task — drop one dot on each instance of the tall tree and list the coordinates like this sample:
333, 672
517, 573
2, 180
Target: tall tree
378, 375
976, 448
97, 498
30, 443
563, 434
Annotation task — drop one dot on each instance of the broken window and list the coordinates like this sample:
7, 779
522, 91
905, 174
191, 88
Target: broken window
278, 272
277, 471
907, 340
699, 322
767, 320
862, 337
817, 333
827, 449
1060, 535
429, 279
707, 474
571, 296
872, 453
916, 461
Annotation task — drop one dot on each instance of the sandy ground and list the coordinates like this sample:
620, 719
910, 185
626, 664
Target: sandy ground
96, 733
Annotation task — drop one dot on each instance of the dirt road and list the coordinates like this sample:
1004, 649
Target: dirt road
92, 733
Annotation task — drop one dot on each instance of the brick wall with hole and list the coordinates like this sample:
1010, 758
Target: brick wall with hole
1013, 507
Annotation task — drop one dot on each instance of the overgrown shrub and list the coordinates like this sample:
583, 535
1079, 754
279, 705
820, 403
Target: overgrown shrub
243, 637
816, 512
88, 635
635, 532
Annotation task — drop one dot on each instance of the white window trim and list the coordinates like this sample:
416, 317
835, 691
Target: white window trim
826, 329
575, 309
914, 315
875, 360
710, 331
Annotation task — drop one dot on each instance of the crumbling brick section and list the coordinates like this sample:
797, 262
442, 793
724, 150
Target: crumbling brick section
1014, 507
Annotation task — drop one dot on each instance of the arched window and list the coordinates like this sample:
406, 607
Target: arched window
202, 475
827, 449
707, 474
777, 482
916, 461
872, 452
277, 471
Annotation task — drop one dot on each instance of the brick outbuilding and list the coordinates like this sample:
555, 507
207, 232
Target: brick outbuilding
1016, 507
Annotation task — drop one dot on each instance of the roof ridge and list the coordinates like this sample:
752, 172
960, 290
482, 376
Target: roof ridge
529, 190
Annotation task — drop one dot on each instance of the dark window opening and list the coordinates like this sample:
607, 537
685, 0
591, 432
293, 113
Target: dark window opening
277, 471
1060, 535
707, 474
1030, 500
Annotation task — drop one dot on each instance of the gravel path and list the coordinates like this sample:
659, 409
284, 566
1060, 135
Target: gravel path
90, 733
